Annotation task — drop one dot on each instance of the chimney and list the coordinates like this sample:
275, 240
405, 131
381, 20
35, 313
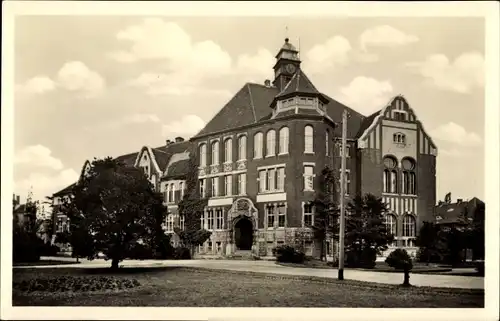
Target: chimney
18, 199
168, 142
267, 83
179, 139
459, 200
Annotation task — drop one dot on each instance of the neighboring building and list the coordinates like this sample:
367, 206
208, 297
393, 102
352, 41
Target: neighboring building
22, 217
259, 157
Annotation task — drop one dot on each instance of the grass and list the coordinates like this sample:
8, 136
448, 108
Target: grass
45, 262
195, 287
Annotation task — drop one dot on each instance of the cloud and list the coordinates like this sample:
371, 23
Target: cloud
188, 125
42, 184
335, 51
456, 134
366, 94
74, 76
37, 156
37, 85
385, 36
451, 152
460, 75
257, 65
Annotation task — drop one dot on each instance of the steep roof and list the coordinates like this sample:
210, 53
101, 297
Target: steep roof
248, 106
366, 122
299, 83
335, 109
127, 159
177, 169
164, 153
454, 213
65, 190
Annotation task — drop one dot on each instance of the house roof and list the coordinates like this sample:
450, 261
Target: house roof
163, 154
299, 83
65, 190
366, 122
127, 159
454, 213
20, 209
177, 169
249, 105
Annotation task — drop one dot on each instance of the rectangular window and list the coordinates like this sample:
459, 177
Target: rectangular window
348, 150
242, 184
210, 225
170, 223
308, 215
182, 222
309, 178
181, 188
218, 247
209, 247
228, 185
215, 186
270, 216
262, 181
219, 219
271, 180
281, 215
202, 187
327, 138
347, 182
281, 179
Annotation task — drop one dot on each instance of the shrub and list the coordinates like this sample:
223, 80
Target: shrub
288, 254
26, 247
399, 259
181, 253
49, 250
426, 256
75, 284
366, 258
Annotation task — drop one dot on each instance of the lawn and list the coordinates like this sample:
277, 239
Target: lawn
190, 287
45, 262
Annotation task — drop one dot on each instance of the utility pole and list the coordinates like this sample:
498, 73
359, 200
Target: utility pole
342, 196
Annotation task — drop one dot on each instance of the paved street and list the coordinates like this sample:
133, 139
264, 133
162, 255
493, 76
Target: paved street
447, 281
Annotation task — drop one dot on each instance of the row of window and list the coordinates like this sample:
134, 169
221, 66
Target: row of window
409, 225
170, 191
213, 219
408, 176
272, 179
283, 144
227, 188
171, 222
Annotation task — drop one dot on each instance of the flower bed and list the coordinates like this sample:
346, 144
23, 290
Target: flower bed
75, 284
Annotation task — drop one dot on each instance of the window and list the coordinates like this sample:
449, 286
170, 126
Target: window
209, 247
219, 219
408, 176
203, 220
257, 145
215, 153
347, 182
390, 224
308, 215
203, 155
270, 216
218, 247
228, 150
399, 115
347, 148
215, 186
308, 139
271, 179
170, 223
172, 193
210, 220
390, 179
182, 222
280, 181
399, 138
242, 147
281, 215
283, 144
271, 143
327, 138
242, 184
409, 226
202, 187
181, 188
309, 178
228, 185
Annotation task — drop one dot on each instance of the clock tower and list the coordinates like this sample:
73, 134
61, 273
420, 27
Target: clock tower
287, 63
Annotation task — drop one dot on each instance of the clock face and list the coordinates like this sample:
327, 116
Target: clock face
290, 68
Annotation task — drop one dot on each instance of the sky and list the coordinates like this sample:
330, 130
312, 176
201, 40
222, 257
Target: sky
96, 86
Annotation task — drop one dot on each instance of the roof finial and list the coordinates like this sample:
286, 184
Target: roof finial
286, 34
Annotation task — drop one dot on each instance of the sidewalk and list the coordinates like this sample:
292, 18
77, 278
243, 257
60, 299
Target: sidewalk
432, 280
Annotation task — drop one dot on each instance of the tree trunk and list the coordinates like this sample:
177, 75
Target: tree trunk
406, 281
322, 254
114, 263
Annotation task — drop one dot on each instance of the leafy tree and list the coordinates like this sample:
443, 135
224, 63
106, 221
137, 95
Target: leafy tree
192, 207
474, 230
27, 246
325, 210
112, 209
428, 241
366, 234
400, 260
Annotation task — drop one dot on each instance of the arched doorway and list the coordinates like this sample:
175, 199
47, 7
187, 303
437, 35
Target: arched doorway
243, 234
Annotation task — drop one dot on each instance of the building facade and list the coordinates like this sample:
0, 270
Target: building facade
260, 156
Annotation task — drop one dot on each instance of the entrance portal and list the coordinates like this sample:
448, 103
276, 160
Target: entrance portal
243, 234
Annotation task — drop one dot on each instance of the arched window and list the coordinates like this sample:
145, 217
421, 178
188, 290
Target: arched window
271, 143
308, 139
228, 150
215, 153
203, 155
399, 138
390, 175
242, 147
257, 145
409, 226
283, 146
390, 224
408, 178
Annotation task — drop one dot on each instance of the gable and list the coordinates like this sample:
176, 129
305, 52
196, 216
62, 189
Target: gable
147, 158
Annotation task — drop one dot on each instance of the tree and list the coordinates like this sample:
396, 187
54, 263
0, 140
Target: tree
114, 207
325, 210
191, 207
366, 234
27, 246
427, 241
400, 260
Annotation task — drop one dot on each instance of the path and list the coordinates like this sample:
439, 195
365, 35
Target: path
432, 280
